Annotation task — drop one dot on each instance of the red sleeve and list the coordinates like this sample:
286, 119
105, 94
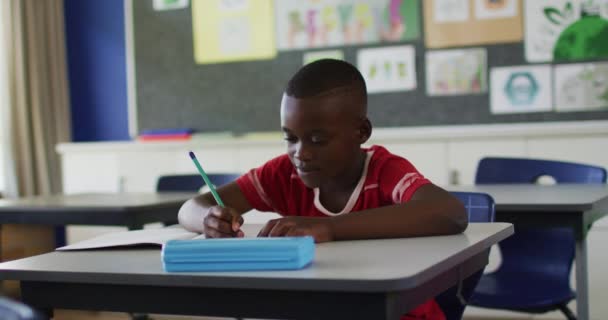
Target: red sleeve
399, 180
265, 187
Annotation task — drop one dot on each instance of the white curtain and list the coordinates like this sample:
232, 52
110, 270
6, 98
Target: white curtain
35, 112
4, 123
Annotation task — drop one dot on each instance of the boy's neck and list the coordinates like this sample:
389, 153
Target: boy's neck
347, 182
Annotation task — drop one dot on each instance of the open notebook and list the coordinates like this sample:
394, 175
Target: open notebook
158, 236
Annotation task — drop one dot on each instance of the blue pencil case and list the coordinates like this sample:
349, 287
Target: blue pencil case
237, 254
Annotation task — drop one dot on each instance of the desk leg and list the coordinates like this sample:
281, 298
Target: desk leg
582, 281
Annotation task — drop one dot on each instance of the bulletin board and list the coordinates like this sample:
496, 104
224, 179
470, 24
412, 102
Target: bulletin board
172, 90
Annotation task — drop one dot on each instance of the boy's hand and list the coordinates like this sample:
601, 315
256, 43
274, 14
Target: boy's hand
223, 222
319, 228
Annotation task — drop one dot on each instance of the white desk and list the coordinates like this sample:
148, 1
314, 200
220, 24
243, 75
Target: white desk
575, 206
132, 210
366, 279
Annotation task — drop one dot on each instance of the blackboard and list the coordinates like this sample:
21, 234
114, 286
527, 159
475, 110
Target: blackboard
173, 91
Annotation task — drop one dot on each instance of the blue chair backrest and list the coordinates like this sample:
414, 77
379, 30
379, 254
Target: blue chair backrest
480, 208
191, 182
14, 310
518, 170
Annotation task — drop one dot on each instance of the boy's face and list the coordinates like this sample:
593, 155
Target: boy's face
324, 135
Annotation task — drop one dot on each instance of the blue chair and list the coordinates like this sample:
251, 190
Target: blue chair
534, 275
480, 208
191, 182
14, 310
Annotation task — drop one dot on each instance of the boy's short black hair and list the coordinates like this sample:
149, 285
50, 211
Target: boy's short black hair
324, 75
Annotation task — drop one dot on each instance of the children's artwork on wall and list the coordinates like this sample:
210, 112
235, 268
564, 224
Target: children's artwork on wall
388, 69
520, 89
450, 11
566, 30
454, 72
232, 30
495, 9
324, 54
457, 23
581, 86
162, 5
303, 24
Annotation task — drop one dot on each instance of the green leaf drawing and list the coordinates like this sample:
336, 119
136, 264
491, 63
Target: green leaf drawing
553, 15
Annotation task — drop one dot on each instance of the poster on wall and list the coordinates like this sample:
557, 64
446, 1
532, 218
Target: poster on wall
445, 11
566, 30
520, 89
581, 87
232, 30
163, 5
311, 56
495, 9
305, 24
388, 69
457, 23
454, 72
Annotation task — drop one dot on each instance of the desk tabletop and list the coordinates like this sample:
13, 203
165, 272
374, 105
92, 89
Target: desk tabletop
555, 198
361, 266
126, 209
92, 201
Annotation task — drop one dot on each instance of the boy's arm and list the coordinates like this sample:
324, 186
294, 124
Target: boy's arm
193, 213
430, 211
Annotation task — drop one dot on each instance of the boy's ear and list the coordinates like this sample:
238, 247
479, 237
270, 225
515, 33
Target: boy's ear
365, 130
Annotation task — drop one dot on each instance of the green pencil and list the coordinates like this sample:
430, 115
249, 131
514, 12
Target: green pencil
216, 196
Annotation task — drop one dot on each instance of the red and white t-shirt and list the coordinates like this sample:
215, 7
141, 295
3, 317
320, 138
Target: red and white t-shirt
275, 186
387, 179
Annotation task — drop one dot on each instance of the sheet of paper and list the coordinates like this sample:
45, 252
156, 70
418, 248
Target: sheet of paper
233, 30
152, 236
388, 69
459, 71
136, 237
521, 89
581, 87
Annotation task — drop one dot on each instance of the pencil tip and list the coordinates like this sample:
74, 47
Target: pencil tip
192, 155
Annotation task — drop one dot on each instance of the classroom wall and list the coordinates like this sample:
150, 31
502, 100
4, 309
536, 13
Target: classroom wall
97, 69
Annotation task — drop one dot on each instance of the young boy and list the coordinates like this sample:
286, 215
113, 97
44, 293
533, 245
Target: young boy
327, 186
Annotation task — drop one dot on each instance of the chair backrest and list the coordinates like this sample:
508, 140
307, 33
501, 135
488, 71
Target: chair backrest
14, 310
191, 182
480, 208
520, 170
